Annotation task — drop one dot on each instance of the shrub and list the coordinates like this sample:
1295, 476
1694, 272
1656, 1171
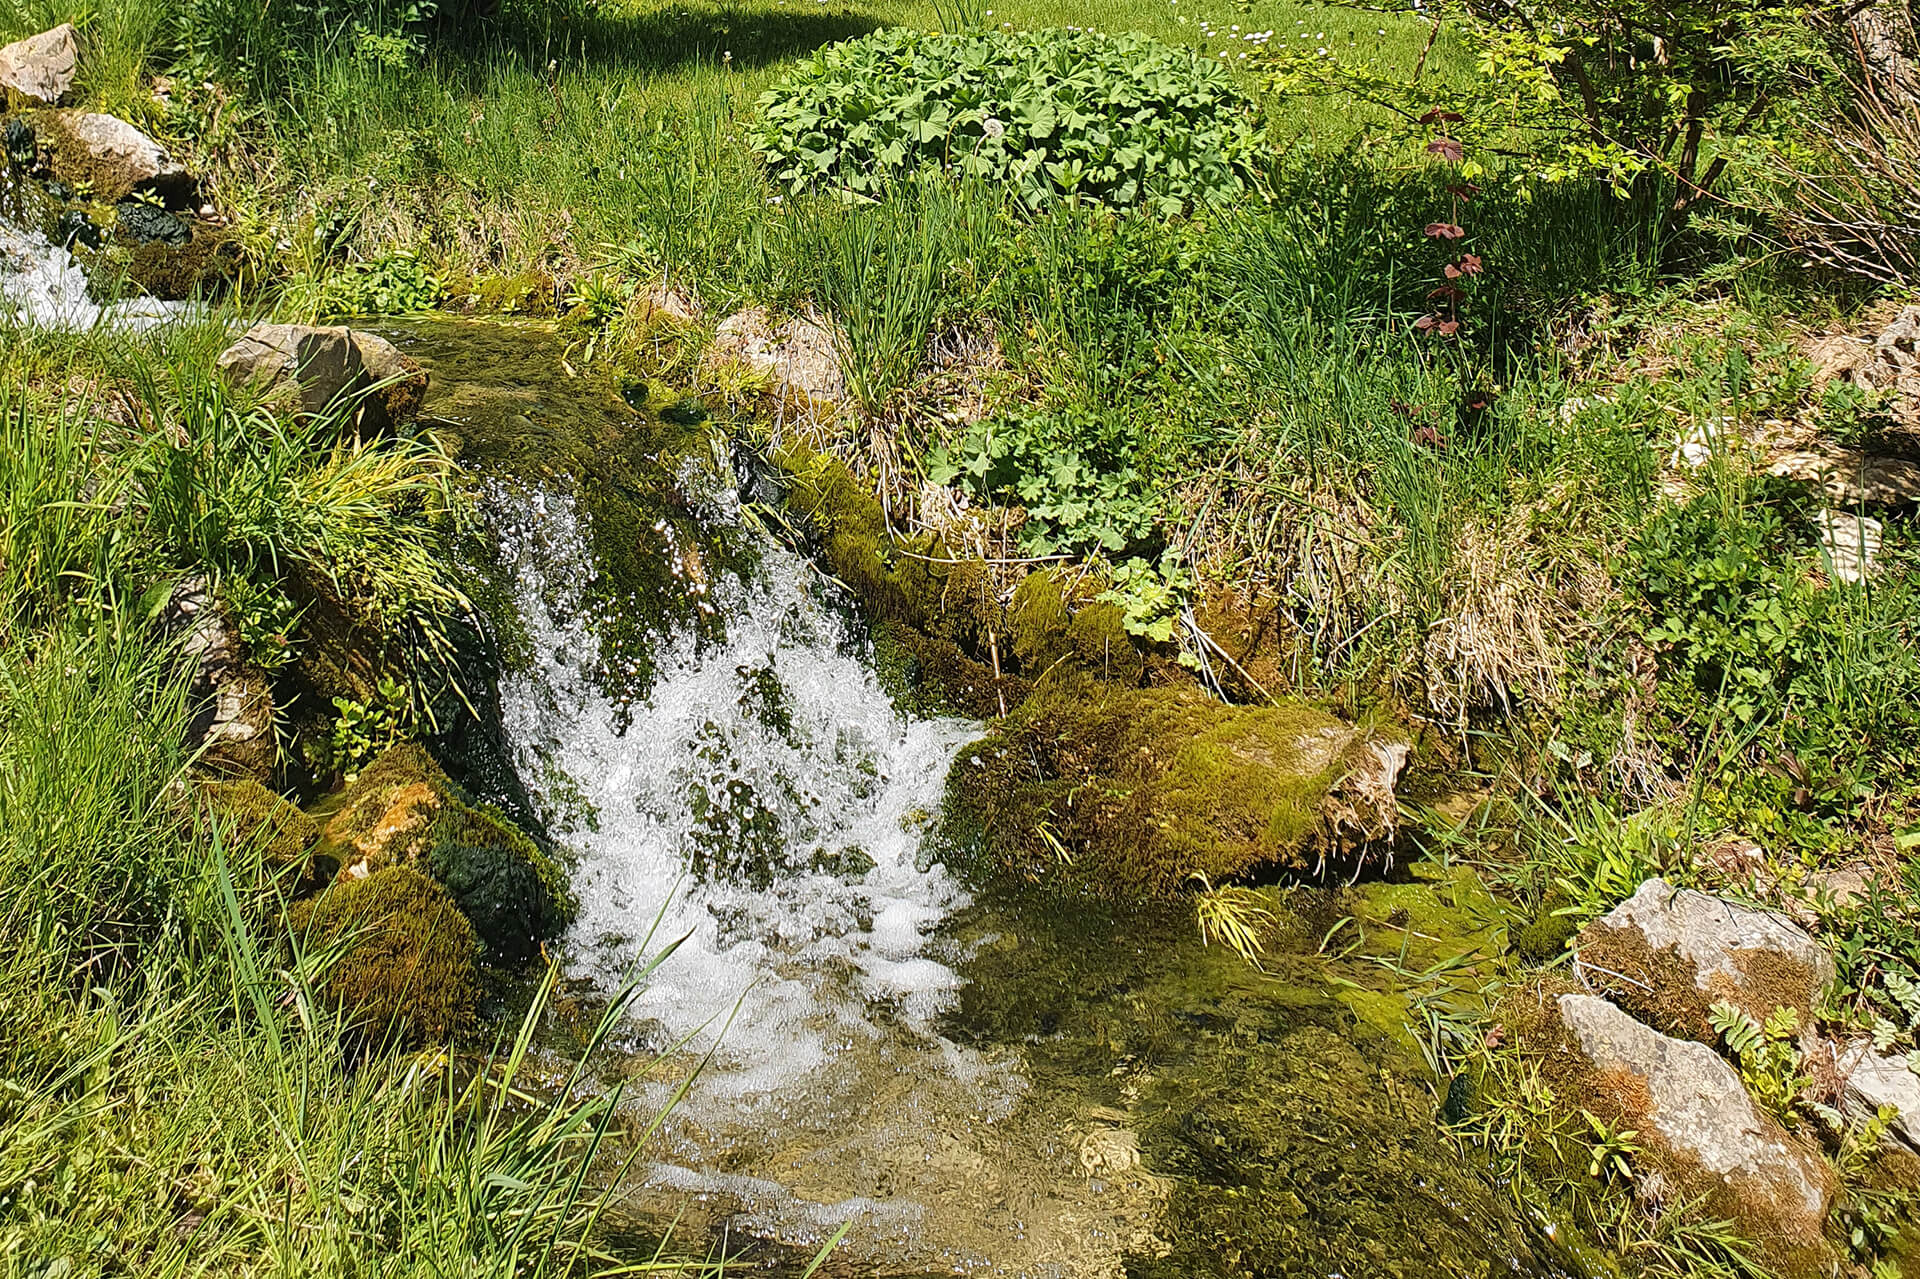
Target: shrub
407, 969
1120, 120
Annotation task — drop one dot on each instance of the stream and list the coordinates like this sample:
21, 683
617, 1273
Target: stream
972, 1079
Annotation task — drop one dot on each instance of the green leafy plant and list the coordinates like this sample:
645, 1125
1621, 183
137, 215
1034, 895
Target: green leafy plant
1072, 471
1612, 1149
1118, 120
1767, 1052
397, 284
1232, 915
362, 733
1150, 597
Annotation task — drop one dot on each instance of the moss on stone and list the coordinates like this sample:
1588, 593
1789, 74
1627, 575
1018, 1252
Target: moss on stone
407, 973
403, 810
258, 817
206, 266
1544, 938
1131, 791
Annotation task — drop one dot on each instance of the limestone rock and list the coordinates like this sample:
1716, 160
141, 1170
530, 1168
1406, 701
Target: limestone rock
1851, 543
40, 69
1694, 1115
233, 719
1666, 955
1870, 1080
111, 160
1850, 476
800, 357
325, 364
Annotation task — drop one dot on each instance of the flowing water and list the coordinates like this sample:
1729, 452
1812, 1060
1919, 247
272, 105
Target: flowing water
978, 1081
42, 286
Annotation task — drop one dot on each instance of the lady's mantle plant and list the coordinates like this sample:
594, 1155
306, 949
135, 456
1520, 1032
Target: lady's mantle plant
1120, 120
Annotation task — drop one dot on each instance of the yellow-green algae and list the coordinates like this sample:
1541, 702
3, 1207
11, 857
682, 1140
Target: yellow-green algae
407, 971
1131, 792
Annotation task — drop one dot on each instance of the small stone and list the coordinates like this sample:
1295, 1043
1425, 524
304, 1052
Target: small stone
113, 160
1870, 1081
234, 722
40, 69
1666, 955
1851, 543
1690, 1107
326, 363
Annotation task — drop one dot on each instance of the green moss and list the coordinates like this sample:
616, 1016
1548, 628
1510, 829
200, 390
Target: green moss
206, 266
1037, 621
255, 815
404, 811
408, 972
1544, 938
1129, 792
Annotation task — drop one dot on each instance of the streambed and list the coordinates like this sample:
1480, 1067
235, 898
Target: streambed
979, 1080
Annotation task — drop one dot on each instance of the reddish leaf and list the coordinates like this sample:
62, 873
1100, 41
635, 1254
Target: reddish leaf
1447, 328
1462, 190
1426, 322
1445, 231
1453, 271
1450, 292
1447, 149
1469, 264
1439, 115
1429, 436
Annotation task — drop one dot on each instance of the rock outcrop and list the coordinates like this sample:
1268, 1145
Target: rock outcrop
1697, 1123
1131, 792
1870, 1080
111, 160
40, 70
800, 358
321, 365
1666, 955
232, 724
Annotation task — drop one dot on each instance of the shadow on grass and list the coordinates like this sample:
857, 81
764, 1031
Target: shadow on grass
662, 39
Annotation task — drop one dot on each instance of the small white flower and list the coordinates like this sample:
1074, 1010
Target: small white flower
993, 128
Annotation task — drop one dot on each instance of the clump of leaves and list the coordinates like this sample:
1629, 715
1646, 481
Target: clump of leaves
395, 285
1766, 1051
1120, 120
1231, 915
1150, 598
1072, 470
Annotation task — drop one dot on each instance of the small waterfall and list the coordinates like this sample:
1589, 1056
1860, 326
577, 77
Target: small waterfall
41, 286
768, 803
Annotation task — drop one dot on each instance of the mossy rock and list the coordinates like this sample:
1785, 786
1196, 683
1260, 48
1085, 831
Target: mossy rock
1545, 937
403, 810
206, 265
257, 817
409, 971
1130, 792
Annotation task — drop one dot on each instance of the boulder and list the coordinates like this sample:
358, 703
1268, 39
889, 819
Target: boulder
799, 357
1666, 955
1698, 1125
1132, 792
232, 724
1870, 1080
111, 160
322, 364
1851, 543
39, 70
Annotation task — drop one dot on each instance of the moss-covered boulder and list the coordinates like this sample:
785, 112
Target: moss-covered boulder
407, 971
1131, 792
258, 818
403, 810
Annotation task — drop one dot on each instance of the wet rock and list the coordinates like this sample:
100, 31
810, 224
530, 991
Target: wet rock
1696, 1121
1130, 793
269, 823
40, 69
233, 722
405, 811
1666, 955
140, 223
111, 160
800, 357
17, 137
1871, 1080
324, 364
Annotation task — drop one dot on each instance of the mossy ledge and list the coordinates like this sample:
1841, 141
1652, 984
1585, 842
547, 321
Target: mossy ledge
1133, 792
405, 811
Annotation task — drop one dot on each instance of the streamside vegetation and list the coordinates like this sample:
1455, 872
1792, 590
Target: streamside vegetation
1535, 388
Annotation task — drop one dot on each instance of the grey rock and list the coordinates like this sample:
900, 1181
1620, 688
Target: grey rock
800, 358
1667, 954
322, 364
1690, 1107
41, 68
1850, 476
232, 726
1870, 1080
1851, 543
113, 160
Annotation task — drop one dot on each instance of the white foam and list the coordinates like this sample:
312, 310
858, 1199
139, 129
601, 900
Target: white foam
41, 286
829, 954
